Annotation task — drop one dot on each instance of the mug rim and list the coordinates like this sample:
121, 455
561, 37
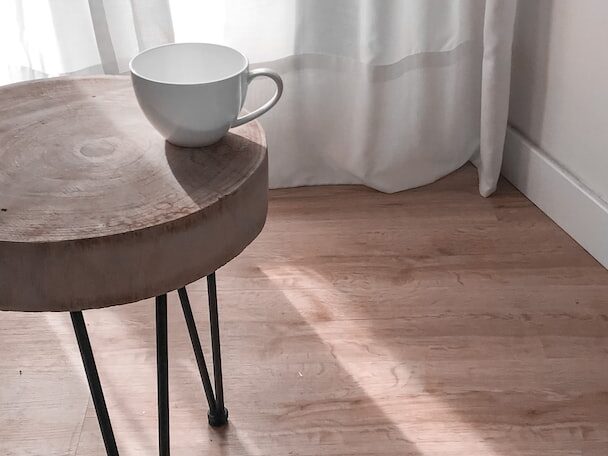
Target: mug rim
158, 81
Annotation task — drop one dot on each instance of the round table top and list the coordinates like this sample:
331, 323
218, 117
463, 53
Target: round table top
90, 192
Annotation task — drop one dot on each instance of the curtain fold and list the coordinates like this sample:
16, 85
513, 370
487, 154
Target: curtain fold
392, 94
495, 85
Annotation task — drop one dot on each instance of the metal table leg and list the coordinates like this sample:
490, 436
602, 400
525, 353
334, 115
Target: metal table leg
94, 384
162, 375
220, 414
217, 415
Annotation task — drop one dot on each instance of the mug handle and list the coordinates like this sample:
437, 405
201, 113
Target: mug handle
270, 103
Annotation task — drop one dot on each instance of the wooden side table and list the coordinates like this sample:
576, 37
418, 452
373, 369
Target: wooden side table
97, 210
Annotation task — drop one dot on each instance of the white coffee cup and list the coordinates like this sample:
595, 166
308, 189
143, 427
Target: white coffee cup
192, 93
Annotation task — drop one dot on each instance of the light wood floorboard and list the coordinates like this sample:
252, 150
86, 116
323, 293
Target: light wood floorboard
431, 322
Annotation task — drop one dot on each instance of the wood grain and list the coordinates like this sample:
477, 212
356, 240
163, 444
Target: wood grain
98, 210
431, 322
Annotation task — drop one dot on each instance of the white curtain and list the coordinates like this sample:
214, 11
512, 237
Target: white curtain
392, 94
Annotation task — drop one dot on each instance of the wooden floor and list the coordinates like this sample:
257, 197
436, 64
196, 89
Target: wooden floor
429, 322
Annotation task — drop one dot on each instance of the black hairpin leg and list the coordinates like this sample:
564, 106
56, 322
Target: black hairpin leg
196, 345
218, 415
162, 375
94, 384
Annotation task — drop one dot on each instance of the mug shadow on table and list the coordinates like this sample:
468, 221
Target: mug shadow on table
191, 167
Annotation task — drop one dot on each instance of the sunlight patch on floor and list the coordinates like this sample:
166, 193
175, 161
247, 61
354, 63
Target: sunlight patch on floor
314, 287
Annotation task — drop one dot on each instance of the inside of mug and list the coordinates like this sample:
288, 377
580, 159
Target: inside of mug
188, 63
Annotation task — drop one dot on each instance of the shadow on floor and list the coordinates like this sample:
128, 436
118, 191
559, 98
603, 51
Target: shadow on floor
429, 322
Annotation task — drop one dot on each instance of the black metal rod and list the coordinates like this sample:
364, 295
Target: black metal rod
162, 375
90, 368
196, 345
215, 344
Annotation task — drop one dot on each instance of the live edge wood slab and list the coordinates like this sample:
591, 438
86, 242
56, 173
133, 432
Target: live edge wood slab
97, 209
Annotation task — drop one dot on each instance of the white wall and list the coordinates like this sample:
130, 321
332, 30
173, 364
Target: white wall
559, 91
559, 107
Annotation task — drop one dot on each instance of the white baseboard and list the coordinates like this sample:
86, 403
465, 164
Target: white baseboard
582, 214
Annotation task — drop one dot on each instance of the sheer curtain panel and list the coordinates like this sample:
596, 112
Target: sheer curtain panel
392, 94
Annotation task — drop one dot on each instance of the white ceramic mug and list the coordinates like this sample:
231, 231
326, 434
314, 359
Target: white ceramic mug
192, 93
